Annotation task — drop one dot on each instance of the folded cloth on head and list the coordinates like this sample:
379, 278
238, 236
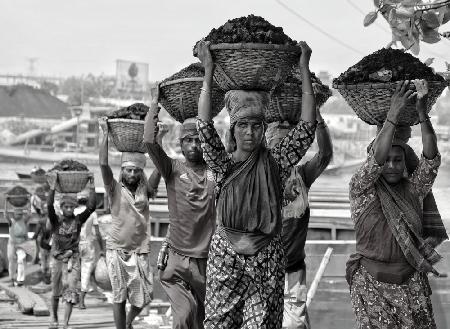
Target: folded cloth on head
68, 199
189, 128
246, 104
133, 159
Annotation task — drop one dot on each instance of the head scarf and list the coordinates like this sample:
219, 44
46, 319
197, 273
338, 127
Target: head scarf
133, 159
246, 104
188, 128
68, 199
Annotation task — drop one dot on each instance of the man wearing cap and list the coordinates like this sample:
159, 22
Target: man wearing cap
128, 243
65, 259
190, 193
88, 249
246, 264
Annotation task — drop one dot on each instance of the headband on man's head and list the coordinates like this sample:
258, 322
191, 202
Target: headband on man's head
188, 128
242, 104
133, 159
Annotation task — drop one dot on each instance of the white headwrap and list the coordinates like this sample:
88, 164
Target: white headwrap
133, 159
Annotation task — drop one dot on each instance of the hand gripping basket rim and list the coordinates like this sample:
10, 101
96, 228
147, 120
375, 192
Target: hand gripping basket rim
252, 66
370, 109
125, 139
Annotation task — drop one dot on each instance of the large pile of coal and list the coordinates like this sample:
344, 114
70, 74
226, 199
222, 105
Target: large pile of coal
386, 65
192, 71
137, 111
249, 29
69, 165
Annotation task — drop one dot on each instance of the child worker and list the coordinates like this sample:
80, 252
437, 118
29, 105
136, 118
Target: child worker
65, 260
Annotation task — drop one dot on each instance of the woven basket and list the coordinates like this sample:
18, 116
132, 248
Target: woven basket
286, 103
101, 275
72, 181
18, 200
38, 179
127, 134
180, 97
252, 66
371, 101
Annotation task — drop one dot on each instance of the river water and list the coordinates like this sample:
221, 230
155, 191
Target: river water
340, 178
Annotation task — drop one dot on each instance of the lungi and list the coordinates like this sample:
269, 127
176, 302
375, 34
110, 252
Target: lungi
130, 277
244, 291
384, 305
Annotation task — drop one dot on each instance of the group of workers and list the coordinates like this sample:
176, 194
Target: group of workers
234, 254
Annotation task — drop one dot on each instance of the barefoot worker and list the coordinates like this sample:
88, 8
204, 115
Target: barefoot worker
190, 194
246, 264
295, 214
89, 252
65, 253
388, 274
128, 244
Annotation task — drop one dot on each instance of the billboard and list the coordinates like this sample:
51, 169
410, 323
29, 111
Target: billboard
131, 77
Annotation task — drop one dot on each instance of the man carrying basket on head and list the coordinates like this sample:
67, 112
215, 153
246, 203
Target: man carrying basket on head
190, 193
296, 214
128, 244
65, 261
246, 264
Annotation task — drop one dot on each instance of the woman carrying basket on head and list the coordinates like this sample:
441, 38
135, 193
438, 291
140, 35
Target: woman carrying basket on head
388, 275
246, 264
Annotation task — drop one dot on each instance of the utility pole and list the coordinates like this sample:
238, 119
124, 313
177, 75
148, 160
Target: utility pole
31, 65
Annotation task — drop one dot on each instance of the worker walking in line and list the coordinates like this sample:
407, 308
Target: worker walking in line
190, 193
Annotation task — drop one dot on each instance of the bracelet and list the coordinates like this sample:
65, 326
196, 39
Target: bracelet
423, 121
204, 90
391, 122
307, 93
321, 124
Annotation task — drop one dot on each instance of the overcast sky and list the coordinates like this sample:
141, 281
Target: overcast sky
75, 37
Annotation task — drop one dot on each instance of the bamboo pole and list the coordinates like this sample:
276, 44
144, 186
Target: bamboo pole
318, 276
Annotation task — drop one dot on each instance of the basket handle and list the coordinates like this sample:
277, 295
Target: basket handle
229, 81
181, 106
280, 112
276, 80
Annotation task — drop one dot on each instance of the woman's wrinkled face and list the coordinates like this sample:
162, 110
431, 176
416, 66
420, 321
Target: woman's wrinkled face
394, 166
131, 175
248, 134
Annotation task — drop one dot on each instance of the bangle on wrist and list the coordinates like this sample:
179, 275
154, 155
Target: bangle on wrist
391, 122
427, 118
307, 93
203, 90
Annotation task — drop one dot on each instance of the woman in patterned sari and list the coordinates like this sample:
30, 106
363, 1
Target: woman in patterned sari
245, 271
395, 250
